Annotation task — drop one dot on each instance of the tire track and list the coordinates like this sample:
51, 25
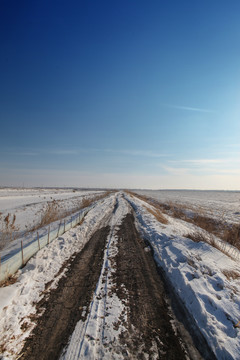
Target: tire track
149, 328
67, 304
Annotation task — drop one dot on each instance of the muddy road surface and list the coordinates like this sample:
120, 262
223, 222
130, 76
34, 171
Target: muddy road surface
64, 305
110, 304
148, 320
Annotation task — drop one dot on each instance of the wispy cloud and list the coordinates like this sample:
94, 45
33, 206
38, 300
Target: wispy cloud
24, 153
175, 170
189, 108
215, 166
205, 161
63, 152
145, 153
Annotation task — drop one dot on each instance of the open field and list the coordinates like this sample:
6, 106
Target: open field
216, 204
129, 282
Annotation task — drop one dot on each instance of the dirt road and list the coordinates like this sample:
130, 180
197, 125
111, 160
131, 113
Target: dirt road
109, 305
64, 305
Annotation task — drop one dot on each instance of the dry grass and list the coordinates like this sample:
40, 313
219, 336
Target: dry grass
157, 208
89, 201
229, 233
232, 235
54, 212
157, 214
196, 237
210, 239
8, 229
86, 202
231, 274
11, 280
50, 214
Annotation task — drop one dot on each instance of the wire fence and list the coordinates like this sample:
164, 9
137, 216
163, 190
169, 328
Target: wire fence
10, 263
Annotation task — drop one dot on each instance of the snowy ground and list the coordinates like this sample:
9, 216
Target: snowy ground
28, 204
223, 205
206, 281
98, 325
17, 301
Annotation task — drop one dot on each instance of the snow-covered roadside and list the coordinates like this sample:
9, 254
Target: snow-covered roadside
201, 276
17, 301
29, 204
98, 336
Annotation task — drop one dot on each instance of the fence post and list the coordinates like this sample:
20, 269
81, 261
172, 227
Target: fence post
48, 234
22, 253
59, 228
38, 240
64, 225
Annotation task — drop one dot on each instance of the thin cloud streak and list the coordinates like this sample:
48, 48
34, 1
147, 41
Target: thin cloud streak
206, 161
63, 152
146, 153
189, 108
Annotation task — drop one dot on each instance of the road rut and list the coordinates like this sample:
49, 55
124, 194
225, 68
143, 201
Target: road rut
65, 303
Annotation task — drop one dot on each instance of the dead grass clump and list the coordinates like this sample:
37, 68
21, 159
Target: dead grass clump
9, 281
7, 229
209, 224
231, 274
177, 212
86, 202
50, 214
89, 201
157, 214
157, 207
196, 237
232, 235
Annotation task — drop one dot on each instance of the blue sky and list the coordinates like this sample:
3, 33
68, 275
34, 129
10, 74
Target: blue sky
137, 94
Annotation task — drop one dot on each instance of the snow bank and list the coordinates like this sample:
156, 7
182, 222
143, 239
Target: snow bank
201, 277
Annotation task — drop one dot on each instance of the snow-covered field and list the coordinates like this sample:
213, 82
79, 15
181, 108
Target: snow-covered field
206, 280
217, 204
